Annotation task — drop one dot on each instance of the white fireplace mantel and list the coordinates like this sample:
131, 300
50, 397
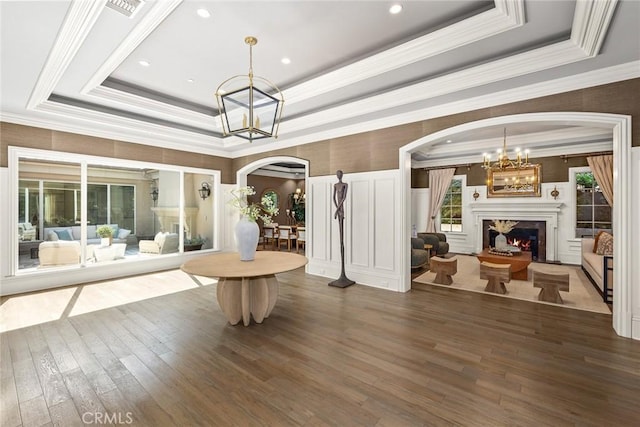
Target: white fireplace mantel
169, 218
519, 211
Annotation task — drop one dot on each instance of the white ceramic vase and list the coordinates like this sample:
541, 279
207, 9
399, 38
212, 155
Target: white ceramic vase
105, 241
501, 242
247, 235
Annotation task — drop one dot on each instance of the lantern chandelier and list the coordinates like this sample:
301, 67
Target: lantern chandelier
503, 161
250, 106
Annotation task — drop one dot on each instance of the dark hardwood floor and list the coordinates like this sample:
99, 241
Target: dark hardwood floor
325, 356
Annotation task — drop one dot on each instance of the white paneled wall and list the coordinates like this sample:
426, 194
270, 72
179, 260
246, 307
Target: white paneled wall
634, 236
372, 213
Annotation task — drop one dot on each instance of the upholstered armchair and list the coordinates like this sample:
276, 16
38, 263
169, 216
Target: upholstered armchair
162, 243
419, 256
438, 242
26, 231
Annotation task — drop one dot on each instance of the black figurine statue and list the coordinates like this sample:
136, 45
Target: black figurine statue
339, 196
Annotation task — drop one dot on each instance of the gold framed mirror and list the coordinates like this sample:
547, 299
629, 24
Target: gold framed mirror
514, 182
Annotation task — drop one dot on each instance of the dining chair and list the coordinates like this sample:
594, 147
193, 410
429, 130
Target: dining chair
286, 233
270, 233
301, 238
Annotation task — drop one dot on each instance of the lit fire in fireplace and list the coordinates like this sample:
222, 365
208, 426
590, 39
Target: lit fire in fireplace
525, 245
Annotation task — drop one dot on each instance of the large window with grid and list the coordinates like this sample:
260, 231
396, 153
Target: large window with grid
451, 210
593, 213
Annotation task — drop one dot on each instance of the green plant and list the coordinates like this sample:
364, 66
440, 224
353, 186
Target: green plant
104, 231
195, 241
252, 211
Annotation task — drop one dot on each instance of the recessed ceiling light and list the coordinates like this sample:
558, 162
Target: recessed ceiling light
449, 141
144, 63
190, 80
286, 61
203, 13
395, 9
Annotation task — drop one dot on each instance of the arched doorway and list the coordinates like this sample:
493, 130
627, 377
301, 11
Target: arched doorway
241, 179
620, 126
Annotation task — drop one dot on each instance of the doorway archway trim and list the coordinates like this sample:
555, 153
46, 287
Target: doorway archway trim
241, 180
621, 129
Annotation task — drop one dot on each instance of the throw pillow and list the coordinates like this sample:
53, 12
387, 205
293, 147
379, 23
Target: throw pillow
64, 234
595, 242
605, 244
123, 233
52, 236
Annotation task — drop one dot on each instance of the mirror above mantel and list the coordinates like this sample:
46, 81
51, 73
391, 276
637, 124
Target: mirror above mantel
514, 182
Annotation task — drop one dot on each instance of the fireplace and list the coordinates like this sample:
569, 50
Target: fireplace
526, 212
528, 235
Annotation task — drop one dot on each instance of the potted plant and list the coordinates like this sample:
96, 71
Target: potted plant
193, 244
106, 233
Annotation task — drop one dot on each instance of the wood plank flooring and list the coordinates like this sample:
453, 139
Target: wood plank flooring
325, 357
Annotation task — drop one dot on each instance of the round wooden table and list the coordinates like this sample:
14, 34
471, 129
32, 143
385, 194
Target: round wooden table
518, 263
245, 288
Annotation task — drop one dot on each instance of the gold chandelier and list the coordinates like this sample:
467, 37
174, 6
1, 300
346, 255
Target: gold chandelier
503, 161
250, 106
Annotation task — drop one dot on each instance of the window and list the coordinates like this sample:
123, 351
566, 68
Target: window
592, 211
451, 210
62, 196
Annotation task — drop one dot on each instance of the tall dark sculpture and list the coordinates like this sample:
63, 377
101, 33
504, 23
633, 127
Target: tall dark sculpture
339, 196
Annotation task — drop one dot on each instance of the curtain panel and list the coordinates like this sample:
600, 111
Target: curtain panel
439, 182
602, 168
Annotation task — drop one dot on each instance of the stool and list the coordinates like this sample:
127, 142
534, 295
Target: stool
444, 269
497, 275
550, 285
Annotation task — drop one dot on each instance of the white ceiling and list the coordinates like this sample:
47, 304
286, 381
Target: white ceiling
74, 66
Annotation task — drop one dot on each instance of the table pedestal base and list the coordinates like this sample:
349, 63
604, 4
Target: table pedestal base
241, 298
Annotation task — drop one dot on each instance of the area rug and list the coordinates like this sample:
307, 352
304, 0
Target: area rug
582, 295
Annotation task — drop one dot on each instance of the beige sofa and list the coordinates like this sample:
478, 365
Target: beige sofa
121, 235
599, 269
162, 243
59, 253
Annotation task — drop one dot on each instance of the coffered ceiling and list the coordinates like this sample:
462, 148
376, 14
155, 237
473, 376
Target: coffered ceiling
354, 67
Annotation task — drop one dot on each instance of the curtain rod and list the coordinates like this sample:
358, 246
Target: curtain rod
467, 165
597, 153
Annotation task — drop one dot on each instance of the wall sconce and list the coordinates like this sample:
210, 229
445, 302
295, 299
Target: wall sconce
555, 193
205, 190
298, 196
154, 195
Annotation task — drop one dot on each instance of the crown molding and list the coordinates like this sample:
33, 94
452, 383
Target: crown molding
590, 24
80, 19
147, 24
509, 15
142, 105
